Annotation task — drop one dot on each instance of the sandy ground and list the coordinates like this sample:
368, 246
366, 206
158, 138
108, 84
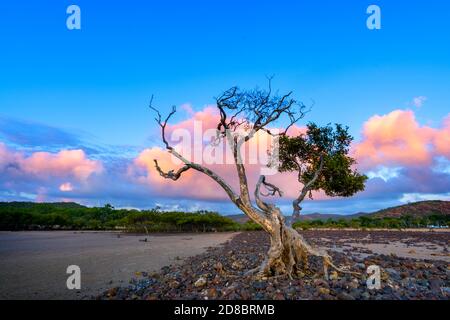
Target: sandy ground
422, 250
33, 264
413, 244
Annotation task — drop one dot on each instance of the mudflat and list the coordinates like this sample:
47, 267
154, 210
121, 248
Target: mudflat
33, 264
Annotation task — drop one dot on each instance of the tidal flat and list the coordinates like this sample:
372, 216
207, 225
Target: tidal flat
33, 263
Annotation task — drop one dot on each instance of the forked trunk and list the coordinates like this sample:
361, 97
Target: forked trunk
288, 253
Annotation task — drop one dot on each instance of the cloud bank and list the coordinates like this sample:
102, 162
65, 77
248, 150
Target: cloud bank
403, 159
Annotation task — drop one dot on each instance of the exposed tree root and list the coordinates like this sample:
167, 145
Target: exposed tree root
288, 256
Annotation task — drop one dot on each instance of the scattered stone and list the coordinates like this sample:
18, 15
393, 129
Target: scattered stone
112, 292
237, 265
219, 272
201, 282
324, 291
174, 284
218, 267
345, 296
334, 275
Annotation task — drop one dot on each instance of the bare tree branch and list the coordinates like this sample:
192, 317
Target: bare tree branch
171, 174
161, 123
271, 189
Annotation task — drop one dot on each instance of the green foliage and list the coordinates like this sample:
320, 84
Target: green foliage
323, 150
367, 222
251, 226
20, 216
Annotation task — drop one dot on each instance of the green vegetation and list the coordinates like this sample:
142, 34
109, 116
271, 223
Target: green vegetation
71, 216
250, 226
405, 221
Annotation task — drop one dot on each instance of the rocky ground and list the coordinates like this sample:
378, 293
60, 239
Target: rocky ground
219, 273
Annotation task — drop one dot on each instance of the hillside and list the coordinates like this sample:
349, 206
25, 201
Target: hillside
417, 210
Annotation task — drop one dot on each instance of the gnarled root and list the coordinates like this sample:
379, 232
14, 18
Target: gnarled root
288, 255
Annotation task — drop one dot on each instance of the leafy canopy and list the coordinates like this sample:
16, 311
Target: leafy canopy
321, 158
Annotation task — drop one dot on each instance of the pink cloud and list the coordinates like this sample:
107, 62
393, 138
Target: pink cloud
392, 140
66, 187
196, 185
397, 139
44, 165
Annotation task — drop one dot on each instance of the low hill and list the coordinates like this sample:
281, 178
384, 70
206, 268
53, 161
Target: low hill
417, 210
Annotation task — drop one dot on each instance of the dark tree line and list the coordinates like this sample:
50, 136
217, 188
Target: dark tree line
41, 216
403, 222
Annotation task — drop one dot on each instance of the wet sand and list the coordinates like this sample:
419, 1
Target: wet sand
407, 244
33, 264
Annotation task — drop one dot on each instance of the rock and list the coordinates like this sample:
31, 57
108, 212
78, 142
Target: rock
324, 291
333, 275
201, 282
237, 265
435, 286
152, 296
218, 267
404, 275
278, 296
446, 291
354, 284
356, 293
174, 284
216, 280
345, 296
245, 295
112, 292
360, 266
392, 272
365, 296
211, 293
321, 283
259, 285
230, 290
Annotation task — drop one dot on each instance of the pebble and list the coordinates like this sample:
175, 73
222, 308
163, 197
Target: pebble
201, 282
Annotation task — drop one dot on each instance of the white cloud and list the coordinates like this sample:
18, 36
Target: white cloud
66, 187
384, 173
414, 197
419, 101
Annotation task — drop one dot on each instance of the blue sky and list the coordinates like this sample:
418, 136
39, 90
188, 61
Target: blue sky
89, 88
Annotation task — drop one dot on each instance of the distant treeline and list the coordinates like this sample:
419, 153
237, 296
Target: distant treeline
71, 216
403, 222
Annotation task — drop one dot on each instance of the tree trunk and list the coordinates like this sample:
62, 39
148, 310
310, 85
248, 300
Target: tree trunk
289, 252
296, 211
